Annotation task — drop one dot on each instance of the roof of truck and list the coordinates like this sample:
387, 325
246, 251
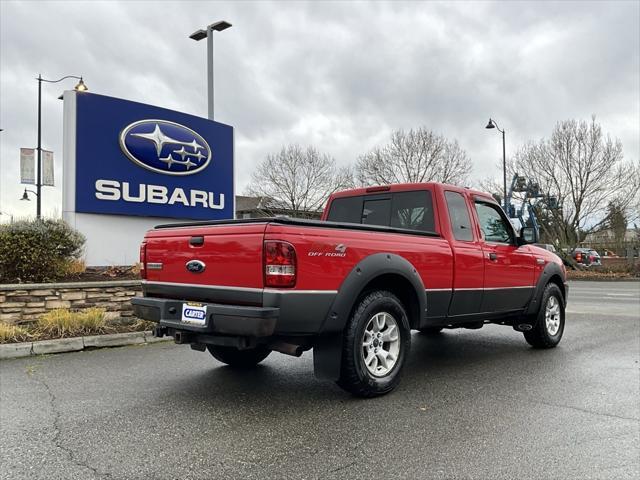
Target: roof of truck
401, 187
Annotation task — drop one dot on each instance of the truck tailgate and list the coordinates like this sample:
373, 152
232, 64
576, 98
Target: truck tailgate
231, 254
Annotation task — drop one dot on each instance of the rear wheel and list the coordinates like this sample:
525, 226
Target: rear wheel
549, 325
239, 358
376, 343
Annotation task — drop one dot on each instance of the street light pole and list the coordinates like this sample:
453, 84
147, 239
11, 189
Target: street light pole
504, 174
80, 87
494, 124
39, 167
208, 34
210, 90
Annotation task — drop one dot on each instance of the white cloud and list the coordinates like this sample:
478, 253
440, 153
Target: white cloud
340, 76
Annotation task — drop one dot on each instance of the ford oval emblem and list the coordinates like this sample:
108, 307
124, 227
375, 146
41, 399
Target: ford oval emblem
165, 147
196, 266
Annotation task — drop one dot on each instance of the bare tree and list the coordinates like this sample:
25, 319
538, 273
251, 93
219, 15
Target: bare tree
583, 170
298, 179
413, 157
493, 185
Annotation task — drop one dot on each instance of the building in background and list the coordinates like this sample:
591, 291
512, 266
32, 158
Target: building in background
260, 207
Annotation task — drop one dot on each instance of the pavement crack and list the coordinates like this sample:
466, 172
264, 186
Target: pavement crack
585, 410
577, 409
57, 440
343, 467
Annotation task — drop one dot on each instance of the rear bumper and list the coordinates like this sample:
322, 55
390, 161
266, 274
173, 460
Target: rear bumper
220, 319
298, 312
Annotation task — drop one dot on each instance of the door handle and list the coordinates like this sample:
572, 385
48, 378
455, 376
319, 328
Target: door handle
493, 256
196, 241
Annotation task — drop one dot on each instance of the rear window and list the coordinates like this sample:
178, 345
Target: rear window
406, 210
413, 210
347, 209
376, 212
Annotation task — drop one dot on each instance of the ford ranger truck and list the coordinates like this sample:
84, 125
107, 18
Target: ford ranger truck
381, 262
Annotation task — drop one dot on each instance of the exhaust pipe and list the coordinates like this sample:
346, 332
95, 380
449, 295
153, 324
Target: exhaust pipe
524, 327
286, 348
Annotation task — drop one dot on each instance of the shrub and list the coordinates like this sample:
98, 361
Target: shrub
65, 323
12, 333
76, 267
37, 250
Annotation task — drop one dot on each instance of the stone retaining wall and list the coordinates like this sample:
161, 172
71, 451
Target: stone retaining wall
24, 303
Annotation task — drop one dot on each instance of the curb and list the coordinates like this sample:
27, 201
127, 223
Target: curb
75, 344
604, 279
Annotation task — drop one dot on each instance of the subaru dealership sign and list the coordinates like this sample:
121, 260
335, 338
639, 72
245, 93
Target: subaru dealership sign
136, 159
129, 166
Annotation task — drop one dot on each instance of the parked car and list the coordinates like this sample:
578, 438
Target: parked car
587, 257
381, 262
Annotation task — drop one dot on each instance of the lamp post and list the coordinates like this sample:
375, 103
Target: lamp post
80, 87
208, 34
493, 124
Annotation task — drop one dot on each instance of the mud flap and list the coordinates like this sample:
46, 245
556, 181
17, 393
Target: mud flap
327, 356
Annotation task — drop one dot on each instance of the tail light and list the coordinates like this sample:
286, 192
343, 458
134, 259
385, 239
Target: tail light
579, 257
143, 260
279, 264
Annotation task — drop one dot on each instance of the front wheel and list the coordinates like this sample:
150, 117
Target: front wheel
549, 325
239, 358
375, 346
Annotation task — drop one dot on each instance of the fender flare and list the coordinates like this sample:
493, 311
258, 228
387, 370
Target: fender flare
550, 270
327, 352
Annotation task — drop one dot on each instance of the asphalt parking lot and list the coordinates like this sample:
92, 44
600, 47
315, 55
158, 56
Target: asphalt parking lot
472, 404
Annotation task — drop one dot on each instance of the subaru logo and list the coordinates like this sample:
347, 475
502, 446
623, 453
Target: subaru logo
165, 147
196, 266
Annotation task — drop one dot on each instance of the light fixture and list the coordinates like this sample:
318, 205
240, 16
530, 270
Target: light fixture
81, 86
198, 35
207, 33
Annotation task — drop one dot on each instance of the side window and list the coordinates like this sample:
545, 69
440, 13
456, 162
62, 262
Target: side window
376, 212
347, 209
493, 226
459, 216
413, 210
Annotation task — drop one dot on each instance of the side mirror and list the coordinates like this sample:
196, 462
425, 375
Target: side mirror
528, 235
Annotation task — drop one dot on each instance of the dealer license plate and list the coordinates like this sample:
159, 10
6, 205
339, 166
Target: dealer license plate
195, 313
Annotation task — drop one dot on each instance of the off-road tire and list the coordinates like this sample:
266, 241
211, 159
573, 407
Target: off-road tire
239, 358
354, 375
539, 336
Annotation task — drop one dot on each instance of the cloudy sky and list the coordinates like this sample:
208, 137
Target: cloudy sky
338, 75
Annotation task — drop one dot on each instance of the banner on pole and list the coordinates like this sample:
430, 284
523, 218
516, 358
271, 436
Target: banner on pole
27, 166
47, 168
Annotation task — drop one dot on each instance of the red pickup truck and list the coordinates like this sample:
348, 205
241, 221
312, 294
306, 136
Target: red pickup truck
381, 262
